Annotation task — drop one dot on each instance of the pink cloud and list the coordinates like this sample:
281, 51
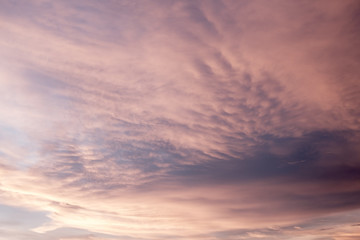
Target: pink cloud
201, 120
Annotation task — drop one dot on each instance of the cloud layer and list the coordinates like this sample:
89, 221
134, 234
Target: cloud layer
180, 119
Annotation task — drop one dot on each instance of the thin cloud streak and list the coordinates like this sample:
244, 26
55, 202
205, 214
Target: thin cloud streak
181, 119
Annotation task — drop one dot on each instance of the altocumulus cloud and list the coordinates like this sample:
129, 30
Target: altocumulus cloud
180, 119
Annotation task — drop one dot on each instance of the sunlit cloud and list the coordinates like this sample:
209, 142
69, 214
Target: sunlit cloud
180, 119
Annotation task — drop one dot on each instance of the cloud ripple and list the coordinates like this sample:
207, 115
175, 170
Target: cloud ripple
181, 119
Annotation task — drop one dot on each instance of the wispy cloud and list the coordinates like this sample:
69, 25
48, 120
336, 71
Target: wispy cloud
181, 119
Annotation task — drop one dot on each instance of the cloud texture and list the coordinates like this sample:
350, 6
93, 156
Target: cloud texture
179, 120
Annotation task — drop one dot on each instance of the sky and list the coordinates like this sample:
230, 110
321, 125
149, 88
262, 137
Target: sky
179, 120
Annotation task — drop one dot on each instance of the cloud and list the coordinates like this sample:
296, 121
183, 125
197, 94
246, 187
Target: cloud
216, 120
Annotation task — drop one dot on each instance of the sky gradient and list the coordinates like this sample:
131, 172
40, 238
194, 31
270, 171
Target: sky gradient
183, 120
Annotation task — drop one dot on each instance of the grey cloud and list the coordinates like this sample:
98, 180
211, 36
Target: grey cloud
322, 153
